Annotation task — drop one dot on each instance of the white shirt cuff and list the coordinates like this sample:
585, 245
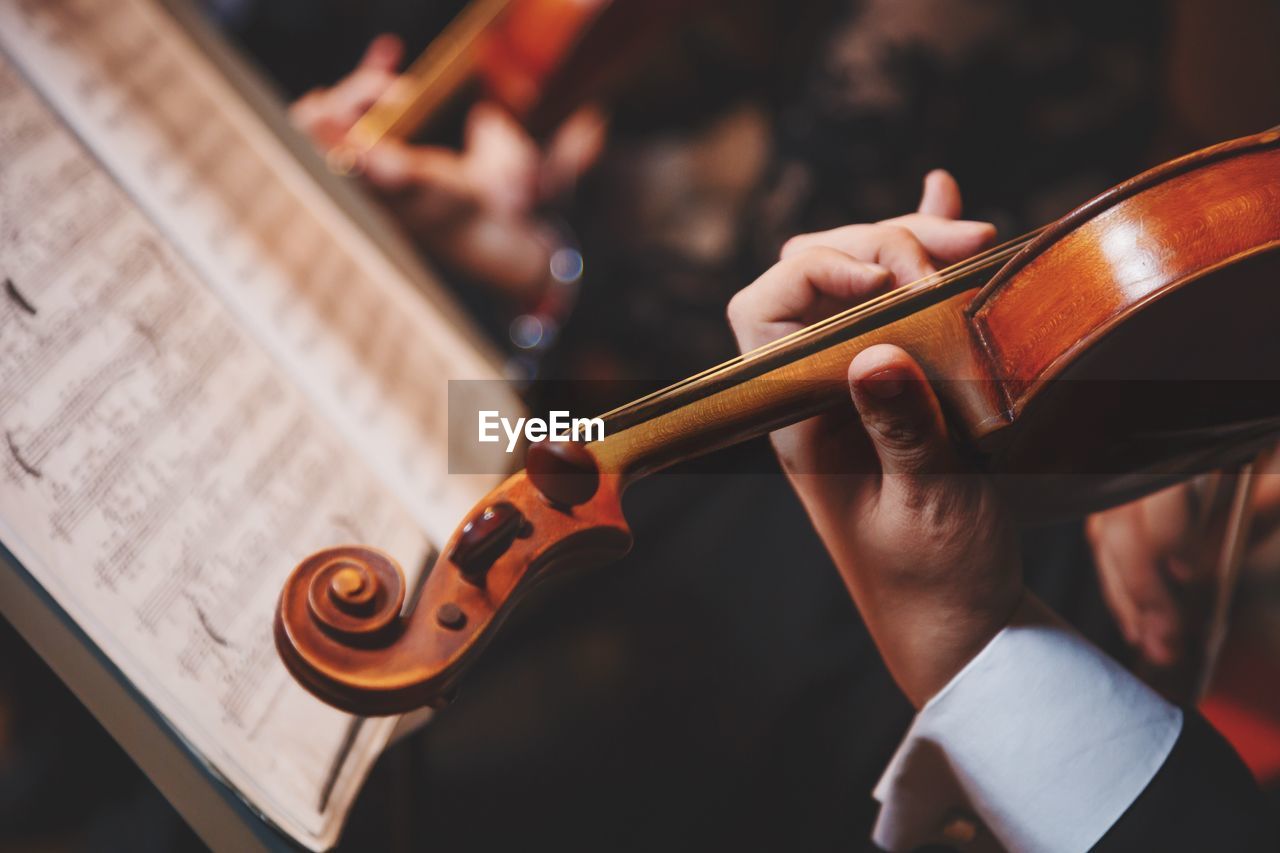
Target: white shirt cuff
1042, 737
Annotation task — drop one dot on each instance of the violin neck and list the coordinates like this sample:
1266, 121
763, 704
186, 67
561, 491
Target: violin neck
802, 376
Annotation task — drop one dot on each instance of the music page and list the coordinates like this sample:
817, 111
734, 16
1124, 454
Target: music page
206, 373
354, 333
160, 475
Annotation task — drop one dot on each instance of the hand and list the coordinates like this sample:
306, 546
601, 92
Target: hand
471, 209
1146, 554
1157, 559
923, 544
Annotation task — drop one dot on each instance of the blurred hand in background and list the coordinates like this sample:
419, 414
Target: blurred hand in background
1159, 557
472, 209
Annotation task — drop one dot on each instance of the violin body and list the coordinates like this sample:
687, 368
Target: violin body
521, 51
545, 58
540, 59
1129, 344
1160, 357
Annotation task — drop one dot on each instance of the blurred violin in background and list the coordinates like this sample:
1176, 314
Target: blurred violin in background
540, 59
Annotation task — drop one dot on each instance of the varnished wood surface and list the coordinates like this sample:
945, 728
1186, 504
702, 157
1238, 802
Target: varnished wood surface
414, 663
1132, 342
1133, 244
991, 351
940, 337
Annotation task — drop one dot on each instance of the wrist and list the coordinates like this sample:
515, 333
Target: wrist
926, 644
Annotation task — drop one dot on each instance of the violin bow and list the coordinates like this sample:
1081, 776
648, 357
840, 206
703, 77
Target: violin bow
1226, 576
423, 88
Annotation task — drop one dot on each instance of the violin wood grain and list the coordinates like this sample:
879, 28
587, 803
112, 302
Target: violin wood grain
1131, 343
1129, 246
941, 338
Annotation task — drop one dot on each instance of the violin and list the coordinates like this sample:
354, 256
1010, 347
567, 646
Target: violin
1127, 345
540, 59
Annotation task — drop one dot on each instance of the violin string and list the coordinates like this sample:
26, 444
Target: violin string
881, 302
798, 337
941, 278
885, 300
423, 77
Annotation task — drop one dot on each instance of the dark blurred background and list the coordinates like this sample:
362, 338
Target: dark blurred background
716, 688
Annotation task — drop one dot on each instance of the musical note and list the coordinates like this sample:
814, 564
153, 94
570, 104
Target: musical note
162, 471
348, 325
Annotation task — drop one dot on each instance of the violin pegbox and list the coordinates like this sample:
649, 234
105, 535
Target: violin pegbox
340, 626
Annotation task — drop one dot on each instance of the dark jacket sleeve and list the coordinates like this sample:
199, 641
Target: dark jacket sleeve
1203, 798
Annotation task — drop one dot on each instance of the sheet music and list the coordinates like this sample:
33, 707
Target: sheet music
160, 475
345, 322
206, 372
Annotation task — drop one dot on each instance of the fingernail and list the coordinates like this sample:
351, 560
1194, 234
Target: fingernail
1180, 570
344, 160
1159, 653
1160, 642
383, 164
886, 384
1132, 635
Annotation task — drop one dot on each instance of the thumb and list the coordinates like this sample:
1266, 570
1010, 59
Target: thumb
941, 195
901, 414
383, 53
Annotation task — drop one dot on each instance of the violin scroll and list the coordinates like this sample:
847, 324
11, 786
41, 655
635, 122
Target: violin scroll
341, 627
352, 592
